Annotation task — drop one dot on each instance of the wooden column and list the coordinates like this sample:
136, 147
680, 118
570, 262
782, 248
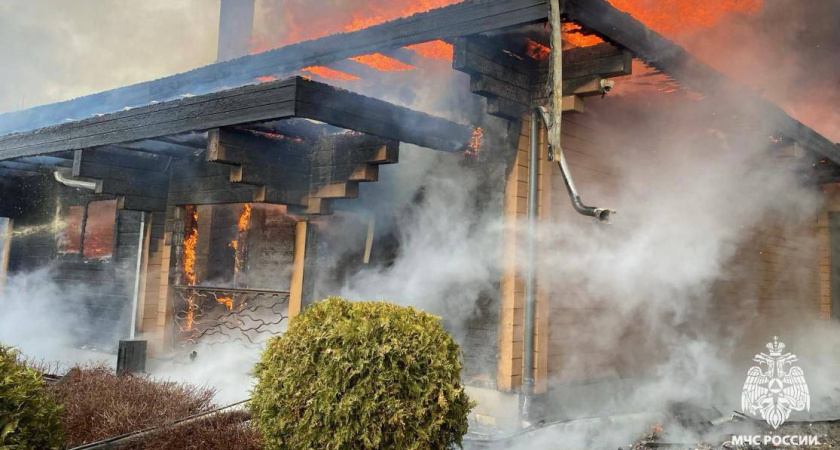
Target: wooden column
547, 171
298, 262
5, 246
143, 274
828, 232
512, 287
311, 262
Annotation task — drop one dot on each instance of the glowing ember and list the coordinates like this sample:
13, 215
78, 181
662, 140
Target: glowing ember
573, 34
382, 63
227, 301
267, 79
434, 50
537, 51
330, 74
476, 141
671, 17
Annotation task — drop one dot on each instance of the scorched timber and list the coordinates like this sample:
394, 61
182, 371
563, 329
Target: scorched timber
657, 51
469, 17
293, 97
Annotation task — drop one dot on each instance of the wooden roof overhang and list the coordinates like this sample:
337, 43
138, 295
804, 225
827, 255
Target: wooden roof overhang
462, 20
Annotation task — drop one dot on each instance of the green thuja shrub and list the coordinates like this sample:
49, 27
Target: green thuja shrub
370, 375
29, 417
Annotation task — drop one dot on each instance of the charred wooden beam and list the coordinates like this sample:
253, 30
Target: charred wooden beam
368, 115
346, 172
354, 149
225, 145
466, 18
269, 101
347, 189
248, 104
603, 60
267, 175
140, 203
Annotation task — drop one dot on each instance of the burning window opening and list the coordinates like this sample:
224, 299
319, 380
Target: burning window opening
87, 230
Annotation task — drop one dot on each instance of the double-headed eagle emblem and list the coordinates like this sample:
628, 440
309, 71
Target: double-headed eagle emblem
775, 387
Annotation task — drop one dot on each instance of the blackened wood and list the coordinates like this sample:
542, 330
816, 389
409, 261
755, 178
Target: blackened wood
492, 49
295, 96
505, 109
138, 188
243, 194
347, 189
263, 102
267, 175
584, 54
346, 172
491, 87
187, 184
88, 170
612, 66
230, 146
475, 64
284, 196
469, 17
368, 115
117, 157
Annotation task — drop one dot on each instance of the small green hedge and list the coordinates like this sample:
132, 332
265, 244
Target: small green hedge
361, 375
29, 417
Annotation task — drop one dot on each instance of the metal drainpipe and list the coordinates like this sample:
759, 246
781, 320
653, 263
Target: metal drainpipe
531, 272
136, 300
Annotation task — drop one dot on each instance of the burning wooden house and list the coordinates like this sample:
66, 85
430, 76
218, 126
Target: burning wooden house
199, 206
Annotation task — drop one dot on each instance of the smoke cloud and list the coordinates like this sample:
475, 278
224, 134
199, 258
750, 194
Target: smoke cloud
56, 50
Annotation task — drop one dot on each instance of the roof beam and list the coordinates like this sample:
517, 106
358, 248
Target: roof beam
293, 97
461, 19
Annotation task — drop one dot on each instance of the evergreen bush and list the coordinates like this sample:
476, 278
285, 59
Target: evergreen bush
361, 375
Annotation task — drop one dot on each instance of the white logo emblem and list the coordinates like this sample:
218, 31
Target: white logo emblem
776, 390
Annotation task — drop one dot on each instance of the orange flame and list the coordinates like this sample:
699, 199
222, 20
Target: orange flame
330, 74
241, 226
671, 17
537, 51
443, 51
244, 218
573, 34
299, 29
227, 301
190, 242
394, 10
382, 63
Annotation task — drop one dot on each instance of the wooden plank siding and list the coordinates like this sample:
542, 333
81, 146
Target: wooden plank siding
560, 329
